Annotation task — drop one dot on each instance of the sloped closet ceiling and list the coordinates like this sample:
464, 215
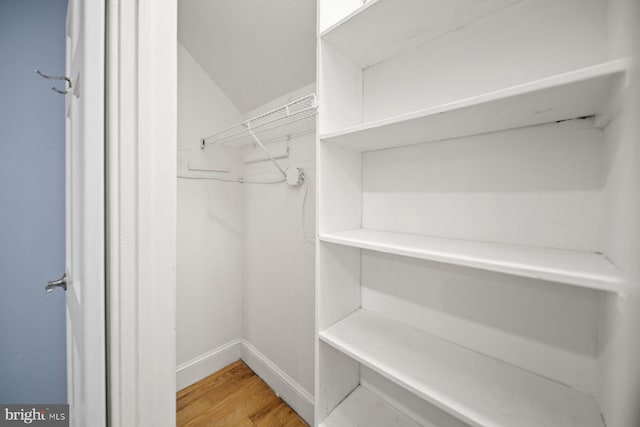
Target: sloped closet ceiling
255, 50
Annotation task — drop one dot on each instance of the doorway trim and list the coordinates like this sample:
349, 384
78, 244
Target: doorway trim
141, 129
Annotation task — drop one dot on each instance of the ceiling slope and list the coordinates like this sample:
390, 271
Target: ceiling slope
255, 50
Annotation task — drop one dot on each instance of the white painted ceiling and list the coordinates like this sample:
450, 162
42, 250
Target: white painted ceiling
255, 50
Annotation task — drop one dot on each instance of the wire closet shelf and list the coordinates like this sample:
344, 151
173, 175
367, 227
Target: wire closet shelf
293, 119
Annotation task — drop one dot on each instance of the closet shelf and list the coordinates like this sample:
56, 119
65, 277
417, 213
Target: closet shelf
477, 389
583, 269
291, 120
381, 29
364, 408
591, 91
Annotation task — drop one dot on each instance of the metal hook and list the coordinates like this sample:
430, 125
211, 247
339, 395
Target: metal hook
53, 88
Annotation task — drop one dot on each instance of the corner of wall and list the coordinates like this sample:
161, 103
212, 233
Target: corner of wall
284, 386
204, 365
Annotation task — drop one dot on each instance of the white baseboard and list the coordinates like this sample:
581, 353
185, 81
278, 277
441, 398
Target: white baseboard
206, 364
286, 387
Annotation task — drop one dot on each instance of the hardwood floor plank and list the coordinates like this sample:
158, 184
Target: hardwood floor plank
214, 392
279, 415
233, 397
227, 376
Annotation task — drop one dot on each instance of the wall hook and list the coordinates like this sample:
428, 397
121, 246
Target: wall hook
53, 88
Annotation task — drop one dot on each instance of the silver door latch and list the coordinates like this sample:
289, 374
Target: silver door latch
60, 283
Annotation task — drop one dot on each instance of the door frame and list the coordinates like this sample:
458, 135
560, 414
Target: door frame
141, 130
85, 213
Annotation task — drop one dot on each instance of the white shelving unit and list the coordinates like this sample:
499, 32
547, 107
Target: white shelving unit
371, 34
350, 414
591, 91
588, 270
475, 388
290, 120
411, 329
283, 123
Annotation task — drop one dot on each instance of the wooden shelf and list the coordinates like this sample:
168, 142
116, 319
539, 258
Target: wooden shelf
368, 36
363, 408
591, 91
475, 388
584, 269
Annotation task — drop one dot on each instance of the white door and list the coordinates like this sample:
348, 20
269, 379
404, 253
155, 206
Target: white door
85, 217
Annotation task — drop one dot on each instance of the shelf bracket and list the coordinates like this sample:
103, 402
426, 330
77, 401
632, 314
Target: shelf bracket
263, 148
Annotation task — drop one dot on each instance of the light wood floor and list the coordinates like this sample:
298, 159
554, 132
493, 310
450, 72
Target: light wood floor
235, 397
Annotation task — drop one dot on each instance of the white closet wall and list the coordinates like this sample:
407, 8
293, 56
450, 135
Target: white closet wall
209, 252
245, 268
278, 262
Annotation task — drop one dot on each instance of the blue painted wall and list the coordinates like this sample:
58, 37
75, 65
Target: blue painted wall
32, 323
